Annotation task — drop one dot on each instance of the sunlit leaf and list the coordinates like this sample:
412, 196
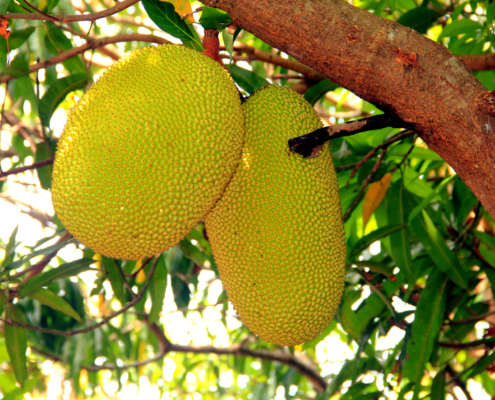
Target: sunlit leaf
50, 299
57, 92
41, 252
157, 287
183, 7
10, 249
15, 340
372, 237
63, 271
426, 326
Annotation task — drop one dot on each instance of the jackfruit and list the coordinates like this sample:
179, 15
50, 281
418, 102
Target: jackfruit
147, 152
277, 233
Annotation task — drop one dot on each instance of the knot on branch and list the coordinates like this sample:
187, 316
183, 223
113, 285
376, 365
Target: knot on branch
489, 102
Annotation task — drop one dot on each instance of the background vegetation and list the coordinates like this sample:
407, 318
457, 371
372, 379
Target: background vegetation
417, 316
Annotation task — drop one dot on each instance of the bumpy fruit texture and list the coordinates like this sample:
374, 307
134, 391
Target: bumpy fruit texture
277, 232
147, 152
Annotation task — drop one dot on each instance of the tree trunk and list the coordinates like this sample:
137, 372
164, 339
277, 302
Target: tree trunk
397, 69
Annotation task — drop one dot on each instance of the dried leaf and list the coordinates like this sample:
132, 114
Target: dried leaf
374, 197
183, 7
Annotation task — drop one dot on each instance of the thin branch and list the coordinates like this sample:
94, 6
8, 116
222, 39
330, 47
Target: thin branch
460, 383
73, 18
183, 17
97, 325
482, 342
308, 144
475, 318
283, 357
385, 144
91, 45
134, 274
39, 164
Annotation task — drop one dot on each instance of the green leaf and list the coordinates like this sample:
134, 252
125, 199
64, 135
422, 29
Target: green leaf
10, 249
399, 241
213, 18
17, 68
426, 326
50, 299
164, 16
45, 173
228, 40
319, 90
423, 154
247, 80
15, 341
63, 271
56, 42
157, 287
57, 92
115, 276
438, 386
372, 237
4, 4
436, 248
458, 27
420, 19
428, 198
36, 253
16, 39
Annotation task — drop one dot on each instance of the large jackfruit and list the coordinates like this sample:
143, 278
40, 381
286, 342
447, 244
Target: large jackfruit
147, 152
277, 232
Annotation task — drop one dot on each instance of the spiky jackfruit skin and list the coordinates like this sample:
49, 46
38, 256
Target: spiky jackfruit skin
277, 232
147, 152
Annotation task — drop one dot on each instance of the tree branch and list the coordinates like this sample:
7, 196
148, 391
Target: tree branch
90, 45
283, 357
122, 5
36, 165
310, 144
403, 73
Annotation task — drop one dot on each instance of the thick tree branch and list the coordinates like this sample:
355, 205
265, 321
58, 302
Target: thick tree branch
122, 5
399, 70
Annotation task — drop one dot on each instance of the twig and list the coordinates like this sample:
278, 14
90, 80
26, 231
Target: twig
134, 274
286, 76
238, 350
367, 181
461, 384
97, 325
183, 17
385, 144
482, 342
122, 5
36, 165
90, 45
307, 145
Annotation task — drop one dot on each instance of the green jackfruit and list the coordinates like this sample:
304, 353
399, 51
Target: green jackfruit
147, 152
277, 232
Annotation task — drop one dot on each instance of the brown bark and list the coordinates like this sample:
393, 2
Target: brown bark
399, 70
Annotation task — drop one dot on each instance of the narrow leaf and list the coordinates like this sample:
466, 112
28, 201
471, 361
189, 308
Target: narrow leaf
15, 341
319, 90
374, 197
247, 80
164, 16
372, 237
428, 198
10, 249
399, 241
57, 92
41, 252
63, 271
4, 4
115, 277
438, 386
428, 320
157, 287
213, 18
50, 299
436, 248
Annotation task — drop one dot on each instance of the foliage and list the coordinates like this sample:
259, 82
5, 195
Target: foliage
416, 316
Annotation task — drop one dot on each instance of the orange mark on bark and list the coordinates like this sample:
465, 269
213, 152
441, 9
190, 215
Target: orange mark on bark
408, 60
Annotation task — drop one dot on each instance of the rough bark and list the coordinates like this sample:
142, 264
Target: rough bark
399, 70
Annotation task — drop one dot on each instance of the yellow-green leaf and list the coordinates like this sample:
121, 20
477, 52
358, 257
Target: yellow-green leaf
15, 341
50, 299
374, 197
182, 7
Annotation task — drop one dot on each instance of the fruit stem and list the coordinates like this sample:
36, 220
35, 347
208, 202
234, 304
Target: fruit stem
211, 44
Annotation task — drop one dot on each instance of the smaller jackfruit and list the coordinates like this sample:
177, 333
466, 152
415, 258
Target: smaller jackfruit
147, 152
277, 233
